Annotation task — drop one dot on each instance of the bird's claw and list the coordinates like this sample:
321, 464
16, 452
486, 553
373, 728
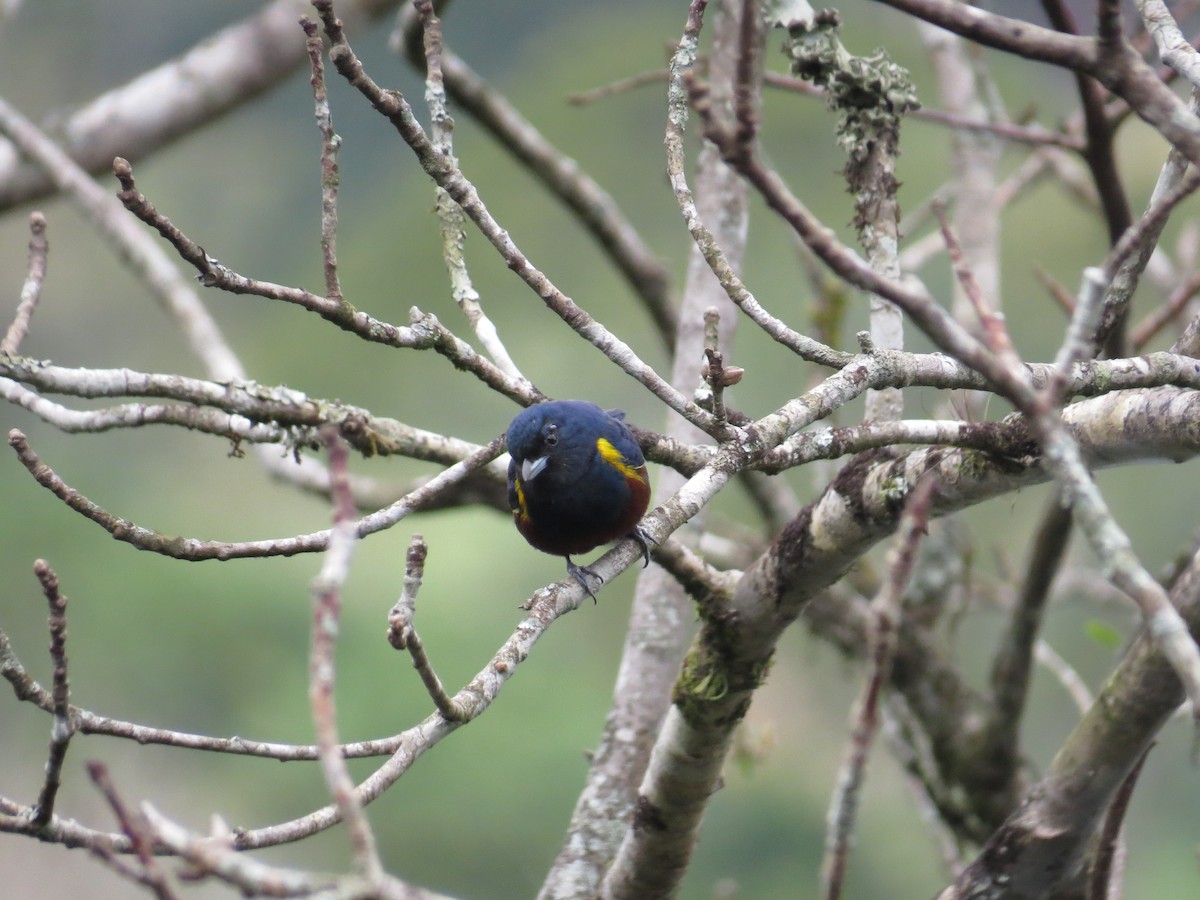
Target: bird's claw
580, 574
644, 541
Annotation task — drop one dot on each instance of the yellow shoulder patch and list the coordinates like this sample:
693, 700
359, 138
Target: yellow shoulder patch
616, 459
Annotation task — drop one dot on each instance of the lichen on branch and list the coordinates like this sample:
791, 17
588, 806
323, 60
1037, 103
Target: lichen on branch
870, 93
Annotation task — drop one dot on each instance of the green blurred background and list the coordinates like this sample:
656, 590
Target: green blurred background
221, 648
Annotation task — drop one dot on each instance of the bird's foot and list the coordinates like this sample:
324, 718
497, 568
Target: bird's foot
644, 541
581, 574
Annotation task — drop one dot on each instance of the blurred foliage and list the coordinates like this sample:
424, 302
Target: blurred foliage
221, 648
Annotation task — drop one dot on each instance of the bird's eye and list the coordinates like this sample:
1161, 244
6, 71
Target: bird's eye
551, 435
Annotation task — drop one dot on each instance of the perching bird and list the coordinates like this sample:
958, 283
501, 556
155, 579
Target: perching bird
577, 480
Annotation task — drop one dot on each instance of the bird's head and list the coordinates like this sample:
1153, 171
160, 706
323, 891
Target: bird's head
558, 435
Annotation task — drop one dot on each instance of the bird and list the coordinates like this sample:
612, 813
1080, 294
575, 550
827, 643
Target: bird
576, 479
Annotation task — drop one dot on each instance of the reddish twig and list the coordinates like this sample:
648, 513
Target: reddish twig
746, 90
327, 606
994, 329
1108, 858
134, 825
620, 86
886, 614
1165, 313
1058, 293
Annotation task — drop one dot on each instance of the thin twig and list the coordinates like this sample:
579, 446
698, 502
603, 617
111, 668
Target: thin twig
1055, 288
424, 332
327, 606
1108, 861
620, 86
331, 143
886, 614
450, 215
138, 832
392, 105
213, 274
566, 180
63, 728
402, 633
194, 549
994, 331
1072, 682
1022, 134
215, 855
1165, 313
31, 290
939, 829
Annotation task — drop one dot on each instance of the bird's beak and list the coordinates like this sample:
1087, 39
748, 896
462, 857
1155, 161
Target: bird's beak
532, 468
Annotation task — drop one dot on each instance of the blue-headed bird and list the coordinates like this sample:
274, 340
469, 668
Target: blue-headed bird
577, 479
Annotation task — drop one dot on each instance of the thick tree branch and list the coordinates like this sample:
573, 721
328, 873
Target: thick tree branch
730, 656
1044, 841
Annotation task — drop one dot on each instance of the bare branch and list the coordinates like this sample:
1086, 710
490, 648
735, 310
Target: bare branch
1166, 313
1044, 840
678, 94
402, 634
1107, 870
162, 104
393, 106
1021, 134
1012, 665
327, 607
32, 289
728, 657
1119, 69
137, 829
449, 213
1175, 49
330, 145
594, 207
886, 612
215, 855
195, 550
62, 730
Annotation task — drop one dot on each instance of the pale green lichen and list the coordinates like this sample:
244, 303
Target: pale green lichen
870, 93
893, 490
